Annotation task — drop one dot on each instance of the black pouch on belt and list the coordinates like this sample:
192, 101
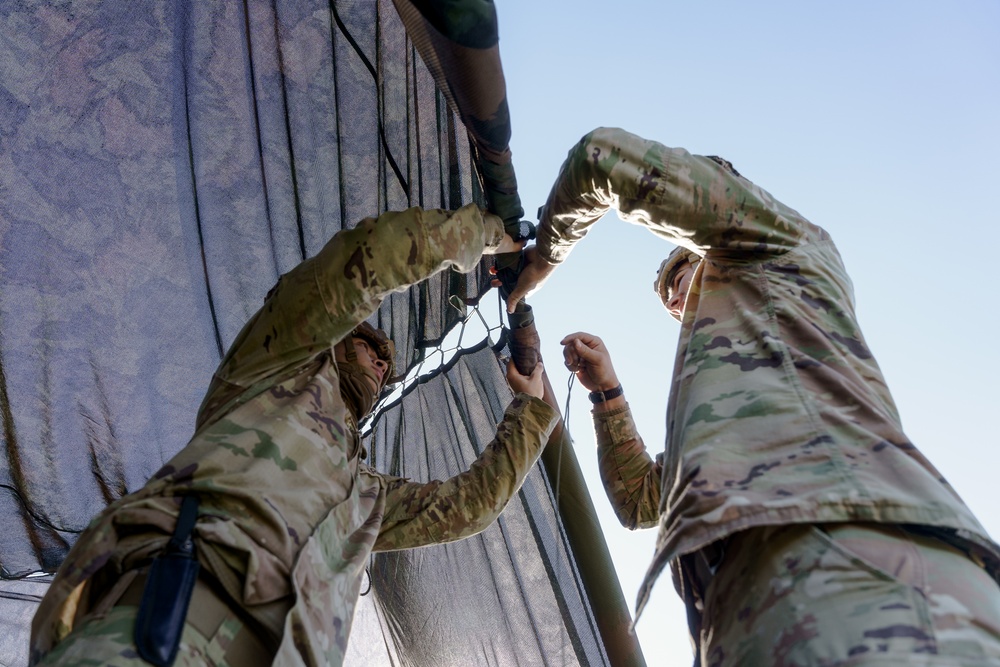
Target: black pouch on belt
168, 590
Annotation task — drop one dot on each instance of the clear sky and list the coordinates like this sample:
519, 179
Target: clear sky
877, 121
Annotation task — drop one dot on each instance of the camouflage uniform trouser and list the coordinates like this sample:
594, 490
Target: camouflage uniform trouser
216, 638
848, 594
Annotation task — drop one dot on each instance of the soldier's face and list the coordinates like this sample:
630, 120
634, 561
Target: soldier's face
678, 291
369, 362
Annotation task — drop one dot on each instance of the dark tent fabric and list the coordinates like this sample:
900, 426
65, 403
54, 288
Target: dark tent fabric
161, 164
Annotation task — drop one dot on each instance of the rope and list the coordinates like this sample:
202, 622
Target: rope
569, 436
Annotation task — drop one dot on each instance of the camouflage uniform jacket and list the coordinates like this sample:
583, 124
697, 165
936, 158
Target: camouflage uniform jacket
778, 413
289, 513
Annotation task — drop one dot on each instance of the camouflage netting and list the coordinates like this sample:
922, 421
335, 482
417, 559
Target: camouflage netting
161, 164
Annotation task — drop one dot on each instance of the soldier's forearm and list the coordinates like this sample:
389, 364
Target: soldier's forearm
463, 505
631, 478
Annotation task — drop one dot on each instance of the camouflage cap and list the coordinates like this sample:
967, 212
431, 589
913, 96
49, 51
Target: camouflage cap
668, 269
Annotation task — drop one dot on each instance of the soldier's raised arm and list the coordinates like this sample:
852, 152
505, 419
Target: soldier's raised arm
631, 477
694, 201
325, 297
418, 514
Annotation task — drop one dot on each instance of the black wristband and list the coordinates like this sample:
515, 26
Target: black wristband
601, 396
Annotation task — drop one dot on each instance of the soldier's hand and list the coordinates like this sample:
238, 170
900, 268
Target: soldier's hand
507, 245
586, 355
533, 275
528, 384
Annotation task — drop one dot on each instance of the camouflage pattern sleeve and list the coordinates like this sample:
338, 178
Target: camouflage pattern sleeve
321, 300
694, 201
420, 514
631, 478
458, 40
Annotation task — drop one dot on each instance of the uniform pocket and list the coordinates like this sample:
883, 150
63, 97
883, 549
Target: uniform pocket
884, 551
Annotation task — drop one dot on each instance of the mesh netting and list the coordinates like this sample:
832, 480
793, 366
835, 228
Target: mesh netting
161, 164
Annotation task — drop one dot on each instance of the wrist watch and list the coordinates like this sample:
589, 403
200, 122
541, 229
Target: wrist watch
602, 396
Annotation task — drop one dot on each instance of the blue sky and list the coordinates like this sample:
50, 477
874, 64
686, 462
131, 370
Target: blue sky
877, 121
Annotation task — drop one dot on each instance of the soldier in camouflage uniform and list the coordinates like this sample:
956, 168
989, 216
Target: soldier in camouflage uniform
289, 512
801, 525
